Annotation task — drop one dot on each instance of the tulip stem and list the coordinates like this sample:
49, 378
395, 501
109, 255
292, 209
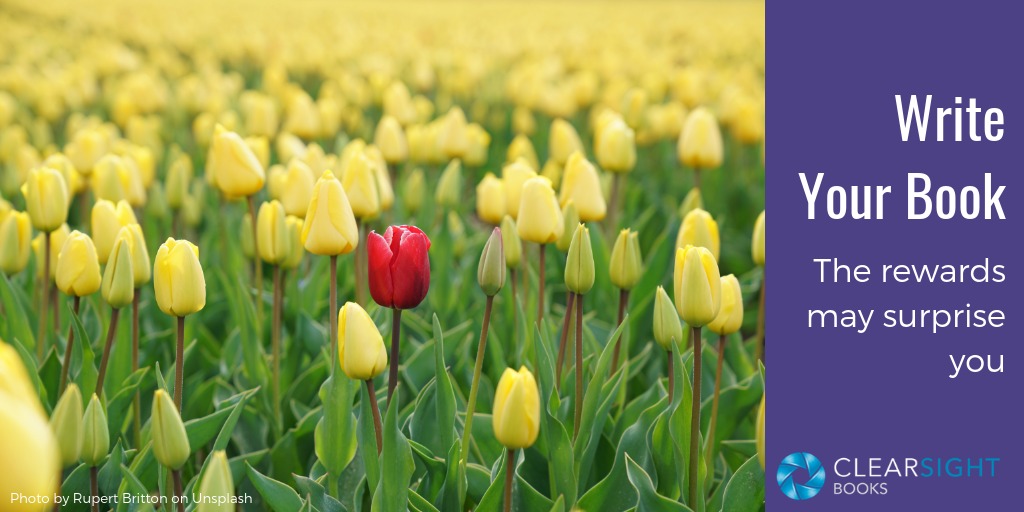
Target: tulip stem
695, 419
510, 460
55, 304
275, 344
44, 300
178, 491
333, 313
671, 377
623, 302
371, 395
107, 349
396, 331
256, 266
708, 450
76, 304
467, 432
540, 287
613, 203
179, 365
696, 178
94, 484
566, 326
579, 366
515, 309
759, 348
137, 400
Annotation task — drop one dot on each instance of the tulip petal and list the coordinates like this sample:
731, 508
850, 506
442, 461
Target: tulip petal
410, 270
379, 268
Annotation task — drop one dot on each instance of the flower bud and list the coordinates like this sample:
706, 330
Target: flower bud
46, 198
698, 286
540, 219
361, 351
87, 146
218, 484
380, 171
95, 435
398, 104
516, 409
170, 442
552, 170
617, 149
523, 122
66, 422
490, 273
521, 147
563, 141
295, 249
699, 229
692, 201
233, 166
260, 147
667, 328
272, 237
479, 142
57, 239
759, 432
582, 185
107, 221
757, 244
449, 186
510, 242
390, 138
15, 242
330, 226
78, 269
571, 219
490, 199
747, 121
118, 287
452, 139
626, 264
72, 178
178, 280
730, 315
700, 142
141, 265
579, 265
514, 176
360, 185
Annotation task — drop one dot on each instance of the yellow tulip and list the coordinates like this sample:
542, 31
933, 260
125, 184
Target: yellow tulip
72, 178
118, 286
759, 433
571, 219
579, 264
478, 143
380, 171
170, 442
699, 229
390, 138
295, 250
86, 148
582, 185
668, 330
511, 242
398, 104
297, 188
302, 116
552, 170
234, 168
730, 316
361, 351
78, 269
616, 151
563, 141
289, 146
272, 240
260, 147
178, 281
110, 178
66, 423
516, 416
523, 122
757, 245
700, 142
490, 271
449, 186
747, 120
360, 184
540, 219
179, 177
490, 199
626, 263
514, 176
698, 285
453, 139
261, 117
218, 484
141, 269
412, 191
330, 226
95, 433
15, 242
521, 147
57, 239
46, 198
107, 221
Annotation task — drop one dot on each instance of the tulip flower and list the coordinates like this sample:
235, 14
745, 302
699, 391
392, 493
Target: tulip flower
412, 191
295, 249
699, 229
15, 242
274, 248
516, 418
46, 200
397, 103
118, 289
95, 440
399, 275
624, 268
615, 147
582, 185
86, 148
72, 177
700, 143
698, 297
179, 178
523, 122
380, 170
114, 179
521, 147
217, 484
728, 321
490, 199
390, 138
563, 141
66, 423
759, 433
514, 176
478, 143
579, 279
260, 147
667, 327
449, 186
107, 220
757, 251
453, 140
170, 443
693, 200
78, 275
297, 189
571, 219
541, 222
180, 289
362, 354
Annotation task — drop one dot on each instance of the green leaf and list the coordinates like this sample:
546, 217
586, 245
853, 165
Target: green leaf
525, 497
397, 465
335, 434
649, 499
16, 319
276, 495
368, 440
317, 496
117, 407
745, 490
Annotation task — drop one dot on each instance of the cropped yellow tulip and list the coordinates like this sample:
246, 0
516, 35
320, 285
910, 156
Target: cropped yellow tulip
233, 166
616, 151
107, 221
218, 484
563, 141
510, 241
272, 241
86, 148
413, 191
141, 265
302, 117
361, 351
261, 117
15, 242
570, 219
626, 264
72, 178
759, 433
540, 219
449, 186
260, 147
667, 328
479, 141
523, 122
78, 269
699, 229
747, 121
95, 433
118, 286
390, 138
490, 199
757, 244
360, 183
57, 239
514, 176
521, 147
178, 281
398, 104
66, 423
179, 178
453, 139
297, 189
582, 185
115, 179
700, 142
170, 442
698, 286
295, 249
46, 198
330, 226
380, 170
516, 416
730, 316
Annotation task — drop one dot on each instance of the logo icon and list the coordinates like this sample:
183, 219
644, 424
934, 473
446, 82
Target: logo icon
800, 476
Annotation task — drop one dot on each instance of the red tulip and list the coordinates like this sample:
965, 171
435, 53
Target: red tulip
399, 268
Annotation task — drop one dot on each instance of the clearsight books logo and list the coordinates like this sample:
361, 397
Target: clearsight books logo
801, 476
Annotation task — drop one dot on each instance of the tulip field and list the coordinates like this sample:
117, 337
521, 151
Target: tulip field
382, 256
